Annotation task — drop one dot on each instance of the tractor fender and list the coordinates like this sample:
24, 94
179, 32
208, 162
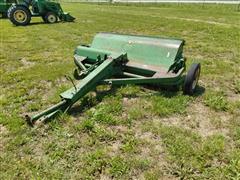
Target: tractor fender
17, 5
22, 4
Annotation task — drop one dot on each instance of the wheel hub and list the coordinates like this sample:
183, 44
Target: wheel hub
194, 84
20, 16
51, 18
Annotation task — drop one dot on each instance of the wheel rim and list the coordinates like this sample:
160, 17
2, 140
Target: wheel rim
52, 18
20, 16
196, 77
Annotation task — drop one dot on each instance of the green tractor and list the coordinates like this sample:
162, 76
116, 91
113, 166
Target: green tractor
4, 6
20, 14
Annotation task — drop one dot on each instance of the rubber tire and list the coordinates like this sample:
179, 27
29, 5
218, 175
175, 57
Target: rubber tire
9, 10
192, 75
15, 8
47, 16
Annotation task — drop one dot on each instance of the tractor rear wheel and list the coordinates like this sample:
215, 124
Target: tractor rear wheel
191, 79
19, 15
50, 17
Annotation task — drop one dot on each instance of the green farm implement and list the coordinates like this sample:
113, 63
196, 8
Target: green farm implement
4, 6
20, 14
115, 59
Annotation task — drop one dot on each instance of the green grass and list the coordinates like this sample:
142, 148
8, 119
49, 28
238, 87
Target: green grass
126, 132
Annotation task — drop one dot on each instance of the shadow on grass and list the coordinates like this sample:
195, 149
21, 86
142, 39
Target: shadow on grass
39, 23
85, 104
200, 90
88, 102
79, 108
169, 93
45, 23
30, 24
172, 91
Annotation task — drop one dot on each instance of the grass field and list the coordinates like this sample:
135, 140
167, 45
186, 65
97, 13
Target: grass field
132, 132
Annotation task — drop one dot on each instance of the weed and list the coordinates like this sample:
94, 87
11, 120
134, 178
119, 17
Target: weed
164, 106
103, 134
94, 163
237, 86
213, 146
129, 144
118, 166
153, 174
217, 101
87, 125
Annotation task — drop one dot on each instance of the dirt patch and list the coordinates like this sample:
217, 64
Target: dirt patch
202, 21
201, 119
208, 121
3, 130
233, 97
49, 92
128, 102
3, 133
120, 129
61, 80
114, 148
104, 177
116, 145
152, 148
26, 64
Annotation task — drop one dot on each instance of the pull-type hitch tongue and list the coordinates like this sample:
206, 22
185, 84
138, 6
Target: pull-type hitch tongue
61, 107
102, 69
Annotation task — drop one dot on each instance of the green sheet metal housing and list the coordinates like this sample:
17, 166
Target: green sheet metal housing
147, 50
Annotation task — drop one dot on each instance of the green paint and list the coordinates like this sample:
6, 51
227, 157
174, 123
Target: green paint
147, 50
5, 5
